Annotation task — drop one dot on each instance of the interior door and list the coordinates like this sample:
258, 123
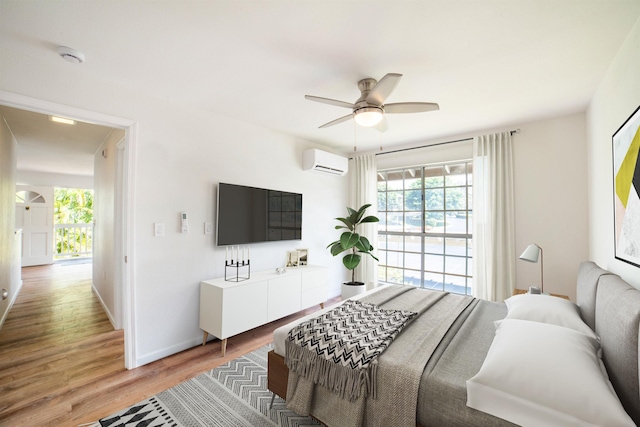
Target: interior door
34, 215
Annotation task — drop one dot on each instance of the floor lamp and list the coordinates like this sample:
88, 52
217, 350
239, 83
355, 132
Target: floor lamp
531, 254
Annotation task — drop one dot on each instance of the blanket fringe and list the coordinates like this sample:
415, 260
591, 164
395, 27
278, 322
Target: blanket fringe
343, 380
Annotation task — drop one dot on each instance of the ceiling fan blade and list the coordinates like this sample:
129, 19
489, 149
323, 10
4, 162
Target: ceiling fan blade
330, 101
410, 107
337, 121
383, 89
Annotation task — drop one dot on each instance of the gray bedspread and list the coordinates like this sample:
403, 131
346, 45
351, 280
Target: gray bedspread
442, 399
422, 375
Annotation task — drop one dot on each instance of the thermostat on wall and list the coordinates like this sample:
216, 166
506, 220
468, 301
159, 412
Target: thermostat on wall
185, 223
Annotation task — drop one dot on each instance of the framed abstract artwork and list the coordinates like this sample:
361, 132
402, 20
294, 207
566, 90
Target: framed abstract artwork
626, 189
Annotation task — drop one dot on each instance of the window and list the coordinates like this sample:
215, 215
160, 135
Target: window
425, 228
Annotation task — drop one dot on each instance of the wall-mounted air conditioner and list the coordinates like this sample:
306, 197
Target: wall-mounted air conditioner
322, 161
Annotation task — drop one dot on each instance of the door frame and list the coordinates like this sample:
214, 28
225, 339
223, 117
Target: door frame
125, 283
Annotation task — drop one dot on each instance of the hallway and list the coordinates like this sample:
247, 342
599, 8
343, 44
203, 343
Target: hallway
56, 339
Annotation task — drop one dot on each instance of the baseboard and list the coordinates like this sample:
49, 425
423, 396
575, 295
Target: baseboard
11, 302
165, 352
104, 307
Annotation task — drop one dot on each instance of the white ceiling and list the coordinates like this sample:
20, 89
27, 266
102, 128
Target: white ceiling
489, 64
47, 146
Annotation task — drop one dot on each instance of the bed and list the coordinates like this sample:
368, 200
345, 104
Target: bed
533, 360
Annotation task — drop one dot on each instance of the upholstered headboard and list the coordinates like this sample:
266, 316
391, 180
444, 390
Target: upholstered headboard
588, 275
612, 308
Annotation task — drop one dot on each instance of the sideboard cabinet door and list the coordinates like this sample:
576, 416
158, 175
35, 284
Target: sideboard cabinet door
314, 287
284, 296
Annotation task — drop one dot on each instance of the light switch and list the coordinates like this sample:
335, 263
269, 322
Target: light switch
208, 228
158, 229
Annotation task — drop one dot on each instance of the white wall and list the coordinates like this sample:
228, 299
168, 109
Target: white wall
180, 156
617, 97
9, 243
104, 267
180, 172
550, 162
58, 180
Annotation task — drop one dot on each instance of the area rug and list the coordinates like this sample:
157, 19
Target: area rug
233, 394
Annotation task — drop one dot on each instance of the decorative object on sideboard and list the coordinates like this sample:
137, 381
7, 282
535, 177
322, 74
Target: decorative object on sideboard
303, 257
531, 254
626, 190
237, 264
355, 244
293, 259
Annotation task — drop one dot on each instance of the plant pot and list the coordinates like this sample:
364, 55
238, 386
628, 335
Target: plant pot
351, 289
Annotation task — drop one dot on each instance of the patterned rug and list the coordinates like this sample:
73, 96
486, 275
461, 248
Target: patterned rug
234, 394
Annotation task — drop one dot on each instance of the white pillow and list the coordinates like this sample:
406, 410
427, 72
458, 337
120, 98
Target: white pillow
547, 309
537, 374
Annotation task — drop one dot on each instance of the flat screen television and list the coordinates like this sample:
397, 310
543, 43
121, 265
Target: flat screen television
253, 215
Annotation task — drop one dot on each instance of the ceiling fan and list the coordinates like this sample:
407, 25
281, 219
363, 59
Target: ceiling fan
370, 108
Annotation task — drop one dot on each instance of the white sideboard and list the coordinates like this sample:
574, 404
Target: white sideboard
230, 308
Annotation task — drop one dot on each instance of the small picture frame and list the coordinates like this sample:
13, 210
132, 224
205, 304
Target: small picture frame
292, 260
303, 257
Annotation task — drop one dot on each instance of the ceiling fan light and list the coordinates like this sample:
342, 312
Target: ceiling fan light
368, 116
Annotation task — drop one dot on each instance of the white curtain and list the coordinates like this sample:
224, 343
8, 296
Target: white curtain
493, 217
364, 190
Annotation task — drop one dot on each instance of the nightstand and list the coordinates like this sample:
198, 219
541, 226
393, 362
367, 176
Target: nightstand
524, 291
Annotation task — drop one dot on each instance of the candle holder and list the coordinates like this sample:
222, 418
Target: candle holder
233, 270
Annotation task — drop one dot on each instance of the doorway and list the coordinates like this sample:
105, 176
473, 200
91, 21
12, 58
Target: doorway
123, 284
34, 216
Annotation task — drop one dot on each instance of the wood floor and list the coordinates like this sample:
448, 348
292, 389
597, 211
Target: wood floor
62, 364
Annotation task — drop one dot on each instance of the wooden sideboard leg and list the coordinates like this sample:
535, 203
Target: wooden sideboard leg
204, 338
224, 347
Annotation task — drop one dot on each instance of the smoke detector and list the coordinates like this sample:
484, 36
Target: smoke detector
71, 55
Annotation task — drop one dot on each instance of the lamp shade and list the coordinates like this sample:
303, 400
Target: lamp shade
531, 254
368, 116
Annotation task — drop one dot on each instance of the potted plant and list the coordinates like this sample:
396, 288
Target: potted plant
354, 244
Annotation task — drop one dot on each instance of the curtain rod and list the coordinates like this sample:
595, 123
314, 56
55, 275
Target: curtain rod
436, 144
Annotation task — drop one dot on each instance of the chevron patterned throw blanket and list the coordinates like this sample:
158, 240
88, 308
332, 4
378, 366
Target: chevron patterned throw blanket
339, 349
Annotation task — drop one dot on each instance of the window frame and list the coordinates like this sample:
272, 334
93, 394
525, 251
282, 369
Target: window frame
424, 274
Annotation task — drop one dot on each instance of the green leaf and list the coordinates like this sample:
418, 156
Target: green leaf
370, 218
346, 222
333, 243
361, 212
351, 261
364, 208
353, 218
349, 240
337, 248
365, 245
372, 256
